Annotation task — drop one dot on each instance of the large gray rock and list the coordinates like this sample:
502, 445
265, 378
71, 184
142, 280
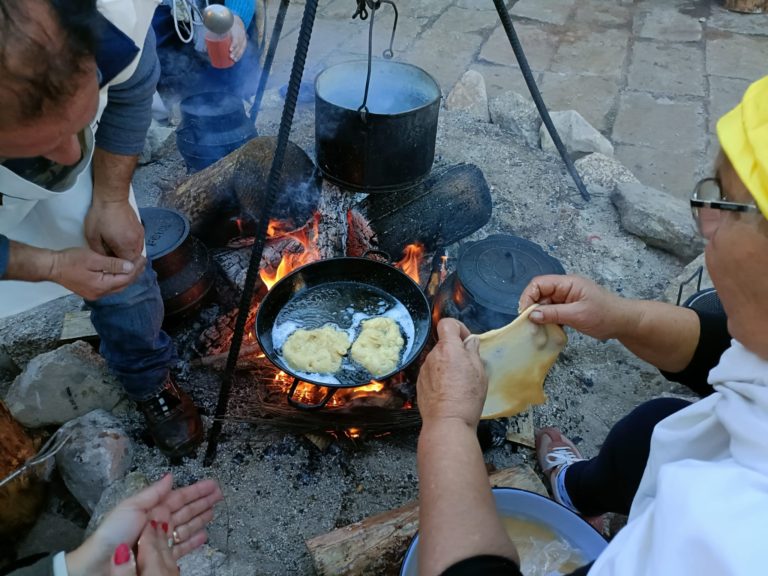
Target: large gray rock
659, 219
51, 532
469, 95
98, 453
601, 170
578, 135
116, 492
518, 115
205, 561
63, 384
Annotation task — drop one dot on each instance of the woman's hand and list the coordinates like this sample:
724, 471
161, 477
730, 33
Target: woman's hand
452, 382
579, 303
155, 555
183, 513
239, 39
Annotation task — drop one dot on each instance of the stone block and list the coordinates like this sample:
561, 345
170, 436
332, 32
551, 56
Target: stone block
660, 123
61, 385
500, 79
737, 56
724, 95
582, 51
470, 95
447, 49
668, 24
517, 115
538, 43
550, 11
659, 219
578, 135
672, 291
727, 21
592, 96
666, 68
673, 172
599, 12
98, 453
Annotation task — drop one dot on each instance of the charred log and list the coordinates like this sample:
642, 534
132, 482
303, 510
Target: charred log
235, 187
446, 207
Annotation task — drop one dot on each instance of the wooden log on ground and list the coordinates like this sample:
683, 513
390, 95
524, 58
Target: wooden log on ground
237, 184
377, 544
748, 6
449, 205
21, 499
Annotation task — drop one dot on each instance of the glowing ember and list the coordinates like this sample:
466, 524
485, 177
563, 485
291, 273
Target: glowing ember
411, 262
353, 433
306, 236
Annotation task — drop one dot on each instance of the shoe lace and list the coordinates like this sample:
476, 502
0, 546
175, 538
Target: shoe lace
561, 456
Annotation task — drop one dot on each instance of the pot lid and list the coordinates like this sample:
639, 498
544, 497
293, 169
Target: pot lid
496, 270
164, 230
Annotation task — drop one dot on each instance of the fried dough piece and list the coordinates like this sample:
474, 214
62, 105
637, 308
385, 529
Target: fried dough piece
517, 358
378, 346
317, 351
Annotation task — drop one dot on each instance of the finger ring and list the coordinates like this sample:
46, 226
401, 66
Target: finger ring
176, 537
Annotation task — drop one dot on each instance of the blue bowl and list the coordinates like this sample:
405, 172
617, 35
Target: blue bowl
531, 506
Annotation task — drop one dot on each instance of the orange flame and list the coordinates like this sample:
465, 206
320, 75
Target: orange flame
278, 228
411, 262
306, 236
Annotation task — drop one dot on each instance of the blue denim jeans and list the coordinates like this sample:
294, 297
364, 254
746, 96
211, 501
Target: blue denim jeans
132, 340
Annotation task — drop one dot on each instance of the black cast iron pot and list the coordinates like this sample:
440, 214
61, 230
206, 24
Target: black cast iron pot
391, 145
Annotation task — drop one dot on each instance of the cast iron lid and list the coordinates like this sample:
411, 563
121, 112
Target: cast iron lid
496, 270
164, 230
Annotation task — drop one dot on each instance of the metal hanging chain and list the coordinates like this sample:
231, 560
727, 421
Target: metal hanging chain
363, 110
389, 52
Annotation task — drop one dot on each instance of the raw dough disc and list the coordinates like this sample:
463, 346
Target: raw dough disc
517, 359
317, 351
378, 346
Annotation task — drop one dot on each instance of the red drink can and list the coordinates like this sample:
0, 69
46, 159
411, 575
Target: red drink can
218, 50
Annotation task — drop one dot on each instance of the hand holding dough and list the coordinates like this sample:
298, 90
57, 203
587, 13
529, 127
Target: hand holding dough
517, 358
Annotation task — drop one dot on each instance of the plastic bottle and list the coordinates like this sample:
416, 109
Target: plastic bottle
218, 22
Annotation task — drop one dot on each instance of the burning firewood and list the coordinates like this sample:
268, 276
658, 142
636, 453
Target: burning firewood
22, 498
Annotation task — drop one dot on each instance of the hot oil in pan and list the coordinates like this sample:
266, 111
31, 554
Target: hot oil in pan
343, 305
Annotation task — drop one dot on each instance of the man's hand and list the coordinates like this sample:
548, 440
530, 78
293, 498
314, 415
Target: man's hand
579, 303
113, 229
239, 40
452, 382
93, 275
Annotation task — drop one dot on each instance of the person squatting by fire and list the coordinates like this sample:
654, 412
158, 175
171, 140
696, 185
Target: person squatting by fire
75, 106
693, 477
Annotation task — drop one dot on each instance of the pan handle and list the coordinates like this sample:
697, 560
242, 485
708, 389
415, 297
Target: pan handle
302, 405
380, 253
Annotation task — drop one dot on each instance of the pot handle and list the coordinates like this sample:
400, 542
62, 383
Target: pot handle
380, 253
304, 406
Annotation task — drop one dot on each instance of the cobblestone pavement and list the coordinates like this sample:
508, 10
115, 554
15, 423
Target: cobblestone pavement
652, 75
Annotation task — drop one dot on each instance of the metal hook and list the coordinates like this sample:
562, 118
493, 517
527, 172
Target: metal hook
389, 52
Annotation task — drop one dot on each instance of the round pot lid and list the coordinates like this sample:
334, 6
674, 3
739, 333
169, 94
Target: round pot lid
164, 230
496, 270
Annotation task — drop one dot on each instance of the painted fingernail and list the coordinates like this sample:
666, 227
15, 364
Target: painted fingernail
153, 523
122, 554
165, 527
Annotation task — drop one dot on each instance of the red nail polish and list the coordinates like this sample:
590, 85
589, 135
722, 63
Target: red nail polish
165, 527
153, 523
122, 554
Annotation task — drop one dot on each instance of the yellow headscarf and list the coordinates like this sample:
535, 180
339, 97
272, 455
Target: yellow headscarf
743, 134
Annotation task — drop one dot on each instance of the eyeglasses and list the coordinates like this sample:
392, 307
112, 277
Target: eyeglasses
708, 203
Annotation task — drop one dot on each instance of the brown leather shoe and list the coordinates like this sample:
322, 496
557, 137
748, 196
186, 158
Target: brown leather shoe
173, 421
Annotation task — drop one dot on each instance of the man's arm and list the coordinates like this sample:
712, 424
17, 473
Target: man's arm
111, 226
